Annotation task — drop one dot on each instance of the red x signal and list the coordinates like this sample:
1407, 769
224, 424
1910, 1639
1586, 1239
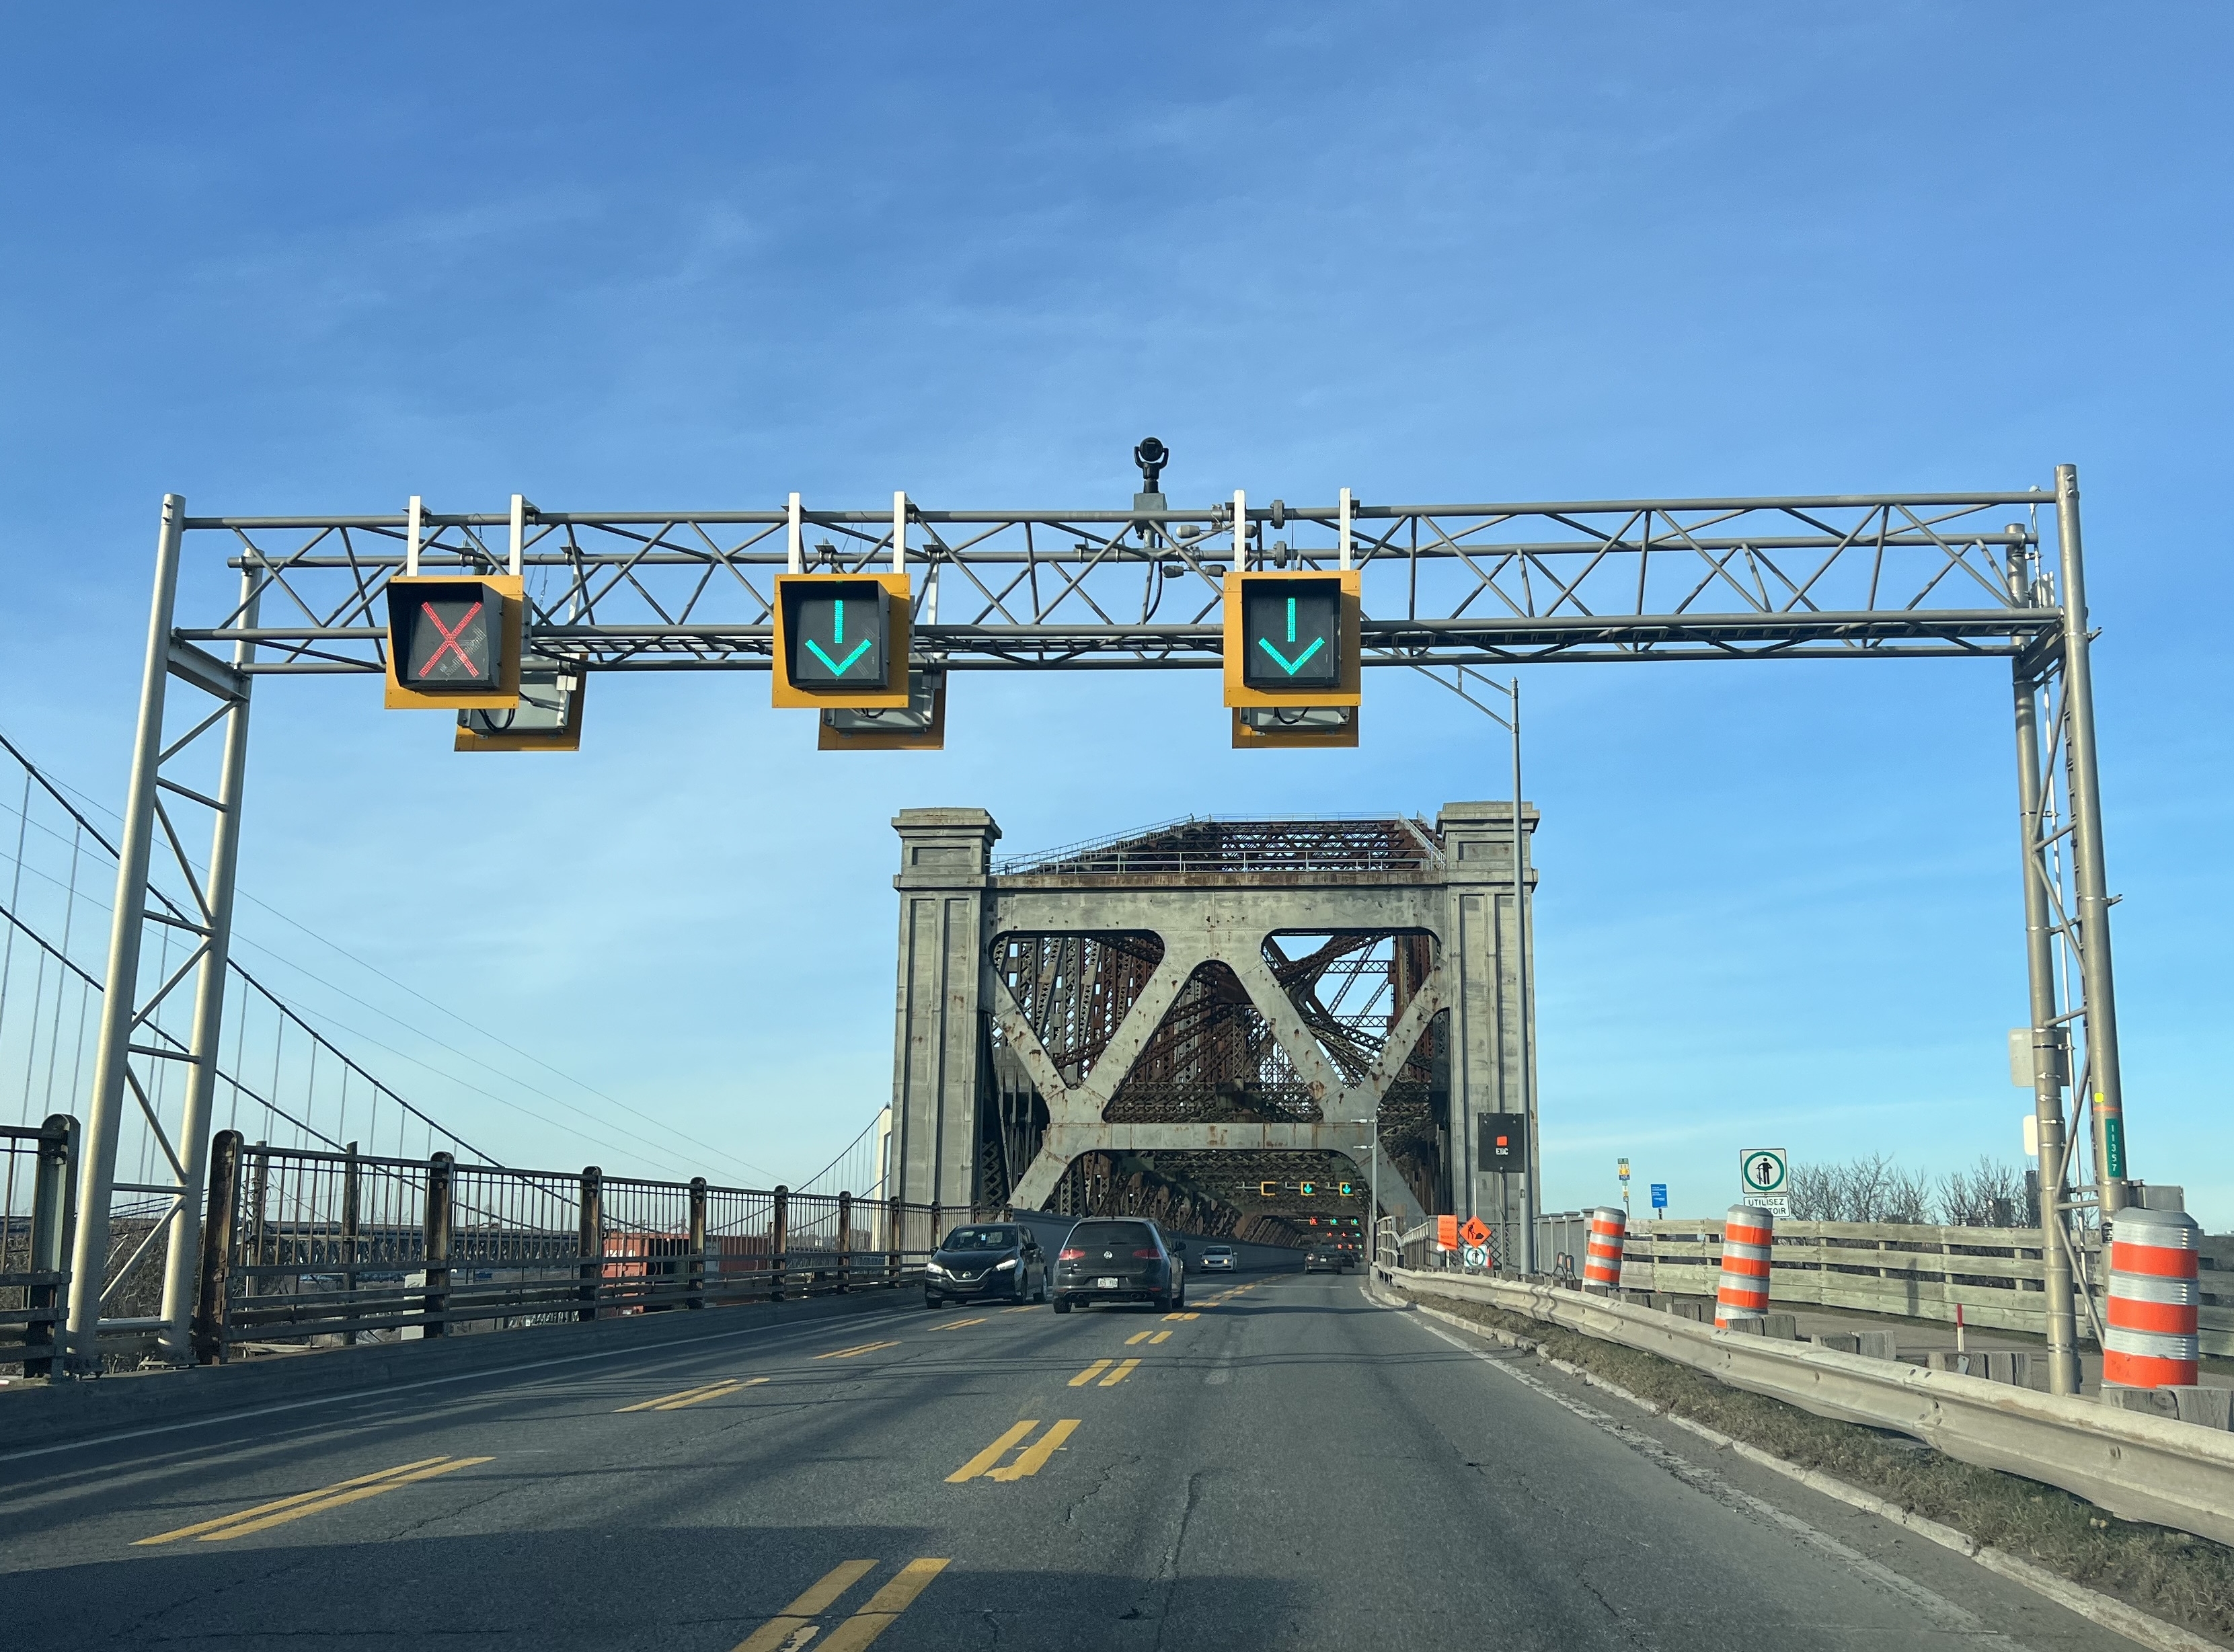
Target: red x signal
450, 643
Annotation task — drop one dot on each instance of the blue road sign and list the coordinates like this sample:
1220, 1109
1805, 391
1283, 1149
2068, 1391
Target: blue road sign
1659, 1196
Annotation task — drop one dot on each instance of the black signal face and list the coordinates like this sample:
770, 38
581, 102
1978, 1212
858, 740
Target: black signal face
1291, 634
1504, 1143
837, 635
446, 634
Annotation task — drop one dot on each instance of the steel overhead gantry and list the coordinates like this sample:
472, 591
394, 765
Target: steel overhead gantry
1845, 577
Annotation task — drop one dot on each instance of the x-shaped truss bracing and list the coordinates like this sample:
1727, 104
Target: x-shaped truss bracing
1910, 575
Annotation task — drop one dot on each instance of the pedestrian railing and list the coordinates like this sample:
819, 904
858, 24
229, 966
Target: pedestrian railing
305, 1248
36, 1213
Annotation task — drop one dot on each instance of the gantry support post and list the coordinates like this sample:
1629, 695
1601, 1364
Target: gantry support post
2098, 992
129, 1021
2049, 1043
182, 1259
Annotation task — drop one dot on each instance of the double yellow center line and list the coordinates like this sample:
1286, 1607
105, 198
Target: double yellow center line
796, 1626
849, 1353
266, 1515
1029, 1461
1118, 1372
692, 1396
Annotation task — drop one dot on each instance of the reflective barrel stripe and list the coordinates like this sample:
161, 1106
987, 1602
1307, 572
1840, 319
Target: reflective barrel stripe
1601, 1262
2143, 1288
2150, 1337
1743, 1293
2147, 1344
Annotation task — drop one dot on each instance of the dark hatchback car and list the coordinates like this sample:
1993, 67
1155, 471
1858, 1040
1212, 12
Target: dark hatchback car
1111, 1259
997, 1260
1325, 1258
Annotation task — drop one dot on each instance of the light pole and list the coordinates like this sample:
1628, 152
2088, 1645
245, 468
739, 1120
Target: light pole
1509, 719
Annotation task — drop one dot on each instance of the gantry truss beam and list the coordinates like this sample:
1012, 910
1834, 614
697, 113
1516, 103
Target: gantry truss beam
1912, 575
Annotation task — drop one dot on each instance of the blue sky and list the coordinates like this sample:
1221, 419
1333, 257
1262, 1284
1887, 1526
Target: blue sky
289, 259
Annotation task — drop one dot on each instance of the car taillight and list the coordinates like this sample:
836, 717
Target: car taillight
1151, 1255
1074, 1254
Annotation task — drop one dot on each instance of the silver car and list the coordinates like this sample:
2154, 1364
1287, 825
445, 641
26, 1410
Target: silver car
1217, 1258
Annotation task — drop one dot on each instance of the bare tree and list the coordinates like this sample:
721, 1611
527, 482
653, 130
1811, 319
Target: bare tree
1870, 1188
1991, 1193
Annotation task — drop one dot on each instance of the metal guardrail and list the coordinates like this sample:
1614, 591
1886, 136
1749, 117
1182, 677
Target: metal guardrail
310, 1248
1993, 1275
37, 1216
2136, 1465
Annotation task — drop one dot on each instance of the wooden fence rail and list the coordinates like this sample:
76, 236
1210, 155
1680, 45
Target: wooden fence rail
1924, 1272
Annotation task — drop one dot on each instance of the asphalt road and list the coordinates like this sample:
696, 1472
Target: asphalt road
1289, 1465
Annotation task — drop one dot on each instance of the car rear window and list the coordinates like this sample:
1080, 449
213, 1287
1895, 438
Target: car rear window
1110, 1235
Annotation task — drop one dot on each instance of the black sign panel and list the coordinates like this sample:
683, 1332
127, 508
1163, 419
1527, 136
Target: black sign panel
1504, 1144
445, 635
836, 634
1290, 633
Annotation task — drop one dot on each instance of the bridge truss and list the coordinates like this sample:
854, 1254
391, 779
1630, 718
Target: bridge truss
1988, 574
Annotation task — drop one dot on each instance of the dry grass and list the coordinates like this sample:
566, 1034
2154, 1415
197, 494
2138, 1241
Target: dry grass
2172, 1575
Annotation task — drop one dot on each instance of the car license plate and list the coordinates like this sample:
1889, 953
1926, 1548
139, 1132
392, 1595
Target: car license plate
1105, 1284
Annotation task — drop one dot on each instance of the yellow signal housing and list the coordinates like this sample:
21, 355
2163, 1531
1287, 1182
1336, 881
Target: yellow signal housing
822, 683
540, 693
1312, 685
502, 695
1249, 737
849, 730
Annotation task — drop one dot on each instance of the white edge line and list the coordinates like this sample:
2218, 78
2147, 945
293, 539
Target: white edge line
378, 1390
2107, 1610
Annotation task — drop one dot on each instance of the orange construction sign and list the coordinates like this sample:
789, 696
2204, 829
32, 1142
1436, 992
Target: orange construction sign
1474, 1232
1446, 1232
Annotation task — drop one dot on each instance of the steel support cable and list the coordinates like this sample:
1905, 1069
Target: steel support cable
287, 1011
273, 1107
33, 771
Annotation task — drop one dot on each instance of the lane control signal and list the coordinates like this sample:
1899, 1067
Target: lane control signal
919, 726
1504, 1144
454, 641
1293, 657
547, 719
1266, 727
1266, 1190
841, 640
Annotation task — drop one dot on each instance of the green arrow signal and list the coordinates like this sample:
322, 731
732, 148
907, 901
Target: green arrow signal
1300, 661
836, 669
837, 640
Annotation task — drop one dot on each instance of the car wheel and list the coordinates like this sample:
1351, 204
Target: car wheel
1162, 1302
1044, 1292
930, 1301
1062, 1304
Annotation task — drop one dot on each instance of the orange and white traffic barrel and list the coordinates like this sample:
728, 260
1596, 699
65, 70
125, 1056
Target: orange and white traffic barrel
1747, 1233
1602, 1259
2150, 1339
